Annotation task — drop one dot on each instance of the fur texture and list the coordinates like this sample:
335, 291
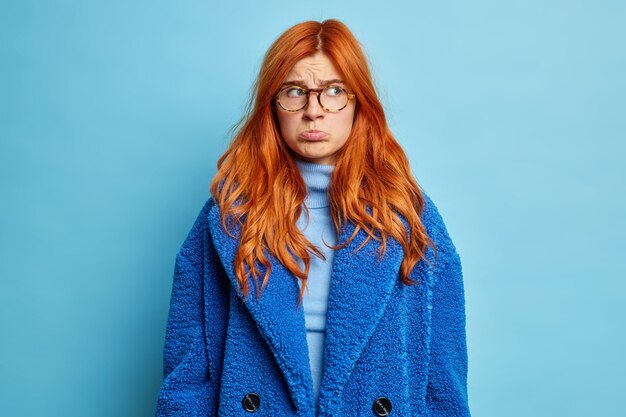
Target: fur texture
383, 339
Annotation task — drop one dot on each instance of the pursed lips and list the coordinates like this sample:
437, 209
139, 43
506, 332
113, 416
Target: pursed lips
313, 134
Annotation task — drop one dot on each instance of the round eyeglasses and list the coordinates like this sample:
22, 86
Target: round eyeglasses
332, 98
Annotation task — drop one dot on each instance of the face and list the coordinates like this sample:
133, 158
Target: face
313, 71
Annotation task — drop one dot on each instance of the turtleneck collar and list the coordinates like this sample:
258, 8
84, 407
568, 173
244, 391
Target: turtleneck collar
317, 179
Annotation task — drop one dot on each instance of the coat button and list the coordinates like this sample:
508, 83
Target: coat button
251, 402
382, 406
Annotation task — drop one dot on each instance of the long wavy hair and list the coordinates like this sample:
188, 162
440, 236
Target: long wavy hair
257, 179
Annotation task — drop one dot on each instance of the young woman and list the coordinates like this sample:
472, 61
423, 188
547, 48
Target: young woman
318, 279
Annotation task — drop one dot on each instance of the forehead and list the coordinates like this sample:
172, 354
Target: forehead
313, 70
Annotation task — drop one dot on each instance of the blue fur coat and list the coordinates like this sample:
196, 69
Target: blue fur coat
391, 349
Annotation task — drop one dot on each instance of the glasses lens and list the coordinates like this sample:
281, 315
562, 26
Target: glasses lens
334, 98
292, 98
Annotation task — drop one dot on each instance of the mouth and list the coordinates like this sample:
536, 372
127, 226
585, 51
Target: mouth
313, 135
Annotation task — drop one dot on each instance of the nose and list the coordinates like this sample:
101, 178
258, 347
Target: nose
313, 110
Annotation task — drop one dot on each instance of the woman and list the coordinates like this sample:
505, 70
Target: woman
373, 323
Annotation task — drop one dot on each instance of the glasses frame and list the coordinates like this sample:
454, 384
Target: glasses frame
308, 92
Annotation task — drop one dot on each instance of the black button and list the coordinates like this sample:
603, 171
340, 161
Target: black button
251, 402
382, 406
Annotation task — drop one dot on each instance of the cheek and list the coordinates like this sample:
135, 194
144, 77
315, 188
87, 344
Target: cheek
286, 123
346, 124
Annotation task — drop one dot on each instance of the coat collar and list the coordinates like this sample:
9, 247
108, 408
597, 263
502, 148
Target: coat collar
361, 286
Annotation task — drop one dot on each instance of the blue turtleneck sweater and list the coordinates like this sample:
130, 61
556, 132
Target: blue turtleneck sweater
318, 228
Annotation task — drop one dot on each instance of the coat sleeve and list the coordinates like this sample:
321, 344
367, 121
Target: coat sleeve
446, 393
187, 388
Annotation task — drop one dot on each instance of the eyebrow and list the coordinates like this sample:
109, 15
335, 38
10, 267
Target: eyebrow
322, 82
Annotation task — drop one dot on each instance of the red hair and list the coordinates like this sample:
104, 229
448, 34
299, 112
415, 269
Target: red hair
257, 170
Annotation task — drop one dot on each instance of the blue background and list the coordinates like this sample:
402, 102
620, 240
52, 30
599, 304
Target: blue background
113, 115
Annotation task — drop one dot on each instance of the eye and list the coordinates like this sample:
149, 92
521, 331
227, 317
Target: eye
294, 92
334, 91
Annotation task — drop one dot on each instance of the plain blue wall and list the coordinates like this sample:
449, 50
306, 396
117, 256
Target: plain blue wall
113, 115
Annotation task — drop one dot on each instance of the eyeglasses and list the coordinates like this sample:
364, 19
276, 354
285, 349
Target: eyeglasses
332, 98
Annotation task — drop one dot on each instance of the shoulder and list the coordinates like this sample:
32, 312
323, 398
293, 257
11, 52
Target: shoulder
197, 234
435, 226
430, 215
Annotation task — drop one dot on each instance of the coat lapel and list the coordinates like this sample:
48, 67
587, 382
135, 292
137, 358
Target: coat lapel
361, 286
